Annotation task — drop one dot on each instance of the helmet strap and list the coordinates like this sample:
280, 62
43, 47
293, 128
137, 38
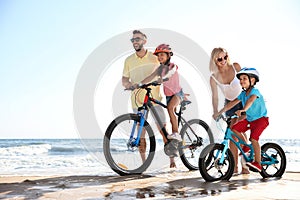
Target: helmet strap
168, 61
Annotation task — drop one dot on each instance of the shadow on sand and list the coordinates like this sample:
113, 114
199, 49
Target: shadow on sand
183, 188
37, 188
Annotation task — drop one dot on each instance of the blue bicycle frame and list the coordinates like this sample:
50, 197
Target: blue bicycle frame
229, 137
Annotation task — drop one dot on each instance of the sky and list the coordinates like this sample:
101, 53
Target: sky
43, 45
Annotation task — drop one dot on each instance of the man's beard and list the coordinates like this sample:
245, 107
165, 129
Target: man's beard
140, 47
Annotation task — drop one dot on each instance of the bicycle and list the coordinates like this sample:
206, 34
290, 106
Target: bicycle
216, 161
122, 138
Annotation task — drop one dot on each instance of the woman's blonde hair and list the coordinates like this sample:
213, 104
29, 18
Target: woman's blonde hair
213, 58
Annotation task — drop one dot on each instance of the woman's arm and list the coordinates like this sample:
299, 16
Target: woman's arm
227, 107
214, 95
237, 67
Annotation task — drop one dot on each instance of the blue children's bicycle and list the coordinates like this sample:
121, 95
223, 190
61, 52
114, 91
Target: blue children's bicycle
125, 134
216, 161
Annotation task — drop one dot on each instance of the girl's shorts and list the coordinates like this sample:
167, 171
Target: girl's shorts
180, 94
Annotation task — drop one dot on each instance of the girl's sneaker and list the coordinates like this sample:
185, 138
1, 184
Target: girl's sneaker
174, 136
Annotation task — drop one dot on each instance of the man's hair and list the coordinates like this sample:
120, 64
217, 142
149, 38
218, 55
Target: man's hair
139, 32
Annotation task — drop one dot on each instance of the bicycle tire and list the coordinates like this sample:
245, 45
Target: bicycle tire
190, 148
275, 151
209, 166
120, 159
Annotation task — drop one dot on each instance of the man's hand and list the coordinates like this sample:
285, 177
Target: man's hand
131, 87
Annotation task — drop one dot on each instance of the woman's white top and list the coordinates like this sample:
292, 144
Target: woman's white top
231, 90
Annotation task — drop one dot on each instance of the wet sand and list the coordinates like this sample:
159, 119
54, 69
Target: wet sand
167, 185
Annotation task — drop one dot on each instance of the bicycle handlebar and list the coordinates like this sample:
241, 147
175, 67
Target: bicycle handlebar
143, 86
226, 118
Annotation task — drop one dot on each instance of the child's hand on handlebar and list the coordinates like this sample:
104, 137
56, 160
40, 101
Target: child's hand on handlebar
239, 113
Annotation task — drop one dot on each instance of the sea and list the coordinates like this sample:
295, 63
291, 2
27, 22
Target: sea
46, 157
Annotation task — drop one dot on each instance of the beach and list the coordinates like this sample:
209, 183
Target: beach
170, 184
64, 170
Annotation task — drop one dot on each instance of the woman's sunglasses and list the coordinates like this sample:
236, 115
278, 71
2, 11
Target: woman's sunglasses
221, 59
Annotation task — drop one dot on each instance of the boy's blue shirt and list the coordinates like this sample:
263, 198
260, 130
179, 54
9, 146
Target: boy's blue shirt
258, 108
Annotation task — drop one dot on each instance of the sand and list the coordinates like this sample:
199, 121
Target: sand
166, 185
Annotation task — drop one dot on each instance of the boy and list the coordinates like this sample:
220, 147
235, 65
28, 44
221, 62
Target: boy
256, 112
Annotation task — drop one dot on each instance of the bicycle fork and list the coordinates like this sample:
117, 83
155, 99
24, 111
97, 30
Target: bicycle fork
134, 142
225, 149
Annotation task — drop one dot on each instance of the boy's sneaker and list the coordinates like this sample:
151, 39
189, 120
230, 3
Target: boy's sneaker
254, 165
174, 136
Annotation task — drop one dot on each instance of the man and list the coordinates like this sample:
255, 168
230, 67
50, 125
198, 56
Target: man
137, 67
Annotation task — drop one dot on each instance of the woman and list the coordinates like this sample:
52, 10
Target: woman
223, 75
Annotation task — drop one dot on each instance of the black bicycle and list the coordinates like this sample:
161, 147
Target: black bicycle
123, 137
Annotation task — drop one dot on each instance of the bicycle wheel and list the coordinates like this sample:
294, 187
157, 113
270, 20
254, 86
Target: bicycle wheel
273, 160
210, 167
124, 159
196, 135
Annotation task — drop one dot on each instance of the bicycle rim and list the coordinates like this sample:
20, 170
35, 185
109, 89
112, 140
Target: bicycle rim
276, 152
191, 148
209, 163
122, 159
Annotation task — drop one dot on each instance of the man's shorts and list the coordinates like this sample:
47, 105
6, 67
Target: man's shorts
160, 112
256, 127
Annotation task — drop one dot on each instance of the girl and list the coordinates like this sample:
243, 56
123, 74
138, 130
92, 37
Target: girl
171, 87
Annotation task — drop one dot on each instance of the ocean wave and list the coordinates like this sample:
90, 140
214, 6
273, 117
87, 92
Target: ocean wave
67, 150
29, 149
